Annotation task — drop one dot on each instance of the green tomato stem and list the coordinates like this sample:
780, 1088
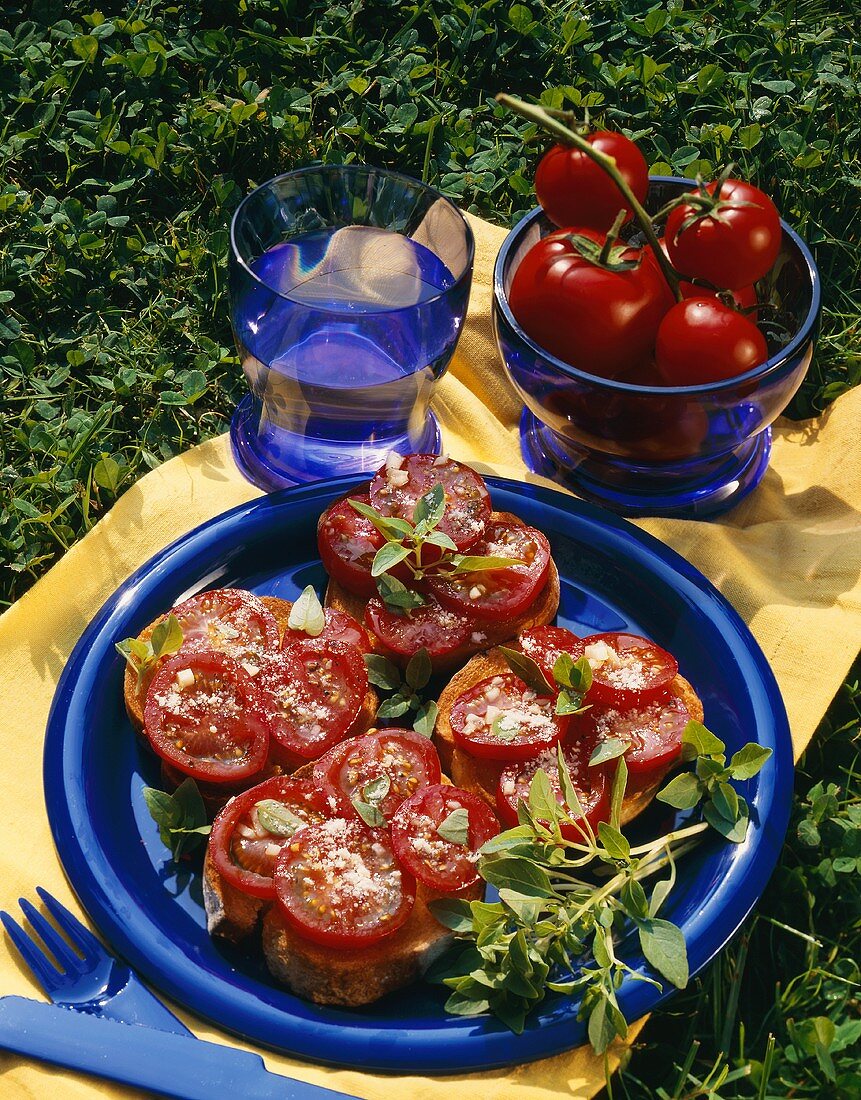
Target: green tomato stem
566, 136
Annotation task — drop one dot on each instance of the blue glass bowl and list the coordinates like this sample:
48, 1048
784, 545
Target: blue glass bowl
689, 452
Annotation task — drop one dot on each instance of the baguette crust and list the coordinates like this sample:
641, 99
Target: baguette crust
481, 776
539, 613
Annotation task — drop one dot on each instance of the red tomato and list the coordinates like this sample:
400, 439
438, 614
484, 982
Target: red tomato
406, 759
525, 722
701, 340
544, 644
444, 865
340, 627
744, 297
229, 620
205, 715
574, 190
337, 884
244, 847
653, 730
495, 595
397, 487
734, 246
590, 785
347, 544
602, 322
436, 628
627, 670
313, 692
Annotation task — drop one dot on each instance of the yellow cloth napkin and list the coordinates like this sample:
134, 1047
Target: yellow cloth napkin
789, 558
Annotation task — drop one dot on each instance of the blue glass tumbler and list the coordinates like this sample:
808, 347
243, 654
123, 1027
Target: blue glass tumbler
348, 290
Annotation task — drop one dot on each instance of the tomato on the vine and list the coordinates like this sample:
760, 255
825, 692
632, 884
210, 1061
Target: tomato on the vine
598, 319
574, 190
732, 245
701, 340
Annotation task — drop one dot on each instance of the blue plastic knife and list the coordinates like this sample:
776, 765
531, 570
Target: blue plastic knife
181, 1066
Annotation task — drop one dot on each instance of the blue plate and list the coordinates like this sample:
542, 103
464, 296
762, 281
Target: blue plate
613, 577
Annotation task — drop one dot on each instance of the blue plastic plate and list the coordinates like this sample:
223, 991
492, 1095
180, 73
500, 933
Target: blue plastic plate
613, 577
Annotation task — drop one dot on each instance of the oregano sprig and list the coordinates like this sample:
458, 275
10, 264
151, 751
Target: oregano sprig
562, 900
405, 689
570, 682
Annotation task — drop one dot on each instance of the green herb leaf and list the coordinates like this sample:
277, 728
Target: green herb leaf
392, 528
369, 813
542, 798
307, 614
502, 727
455, 827
382, 673
526, 908
734, 831
528, 670
572, 800
725, 801
476, 563
574, 675
440, 538
419, 669
396, 596
610, 749
748, 761
453, 913
425, 719
393, 707
602, 1028
701, 740
430, 508
615, 843
664, 947
683, 792
166, 637
181, 816
276, 818
569, 702
518, 874
387, 557
617, 794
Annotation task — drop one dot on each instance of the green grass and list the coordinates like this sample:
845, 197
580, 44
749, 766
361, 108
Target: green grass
127, 137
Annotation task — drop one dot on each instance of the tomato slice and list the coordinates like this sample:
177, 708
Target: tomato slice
498, 594
337, 883
231, 621
340, 627
441, 864
627, 670
544, 644
436, 628
398, 485
525, 723
347, 544
249, 833
653, 731
590, 785
313, 692
205, 715
406, 759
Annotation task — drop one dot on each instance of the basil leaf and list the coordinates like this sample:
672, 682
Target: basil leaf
569, 702
614, 842
166, 637
391, 528
734, 831
683, 792
725, 801
453, 913
664, 947
181, 816
698, 737
419, 669
469, 563
617, 794
528, 670
610, 749
393, 707
430, 508
504, 732
382, 673
396, 596
277, 819
747, 762
307, 614
425, 719
542, 798
455, 828
369, 813
440, 538
572, 800
387, 557
518, 874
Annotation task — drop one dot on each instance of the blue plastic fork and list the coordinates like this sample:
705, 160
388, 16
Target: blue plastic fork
89, 979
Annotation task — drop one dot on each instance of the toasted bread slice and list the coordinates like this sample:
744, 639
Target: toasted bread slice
482, 775
357, 976
541, 611
135, 691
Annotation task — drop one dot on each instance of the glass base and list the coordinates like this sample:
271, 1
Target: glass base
690, 491
280, 458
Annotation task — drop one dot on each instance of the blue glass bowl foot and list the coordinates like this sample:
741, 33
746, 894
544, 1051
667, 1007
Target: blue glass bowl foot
273, 458
700, 491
